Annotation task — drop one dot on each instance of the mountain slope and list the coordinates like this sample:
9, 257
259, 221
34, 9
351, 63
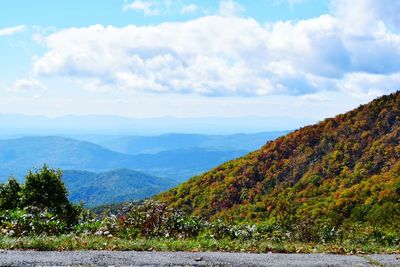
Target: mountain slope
341, 168
113, 186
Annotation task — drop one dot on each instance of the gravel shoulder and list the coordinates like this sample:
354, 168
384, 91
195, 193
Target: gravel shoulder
133, 258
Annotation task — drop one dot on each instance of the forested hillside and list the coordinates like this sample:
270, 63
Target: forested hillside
113, 186
343, 169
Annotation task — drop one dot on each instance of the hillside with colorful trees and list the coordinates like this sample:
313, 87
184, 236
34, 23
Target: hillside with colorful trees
331, 187
341, 172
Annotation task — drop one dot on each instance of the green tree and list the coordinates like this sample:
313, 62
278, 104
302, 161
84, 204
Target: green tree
45, 189
10, 195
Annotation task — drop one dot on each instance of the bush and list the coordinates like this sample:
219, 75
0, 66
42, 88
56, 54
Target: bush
10, 195
30, 221
384, 215
39, 205
154, 219
45, 189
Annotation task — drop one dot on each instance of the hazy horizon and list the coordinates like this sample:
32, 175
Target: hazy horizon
18, 124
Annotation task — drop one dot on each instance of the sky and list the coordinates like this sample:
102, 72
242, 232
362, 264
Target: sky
153, 58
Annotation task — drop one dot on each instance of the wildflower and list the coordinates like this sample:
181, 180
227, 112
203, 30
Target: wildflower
99, 233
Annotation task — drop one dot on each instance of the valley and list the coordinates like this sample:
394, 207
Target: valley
96, 167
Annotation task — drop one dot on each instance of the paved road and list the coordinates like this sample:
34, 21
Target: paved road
131, 258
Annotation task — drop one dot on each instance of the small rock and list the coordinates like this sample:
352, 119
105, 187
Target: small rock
198, 259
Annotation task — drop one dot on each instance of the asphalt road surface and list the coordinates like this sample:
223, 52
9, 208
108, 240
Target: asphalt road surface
132, 258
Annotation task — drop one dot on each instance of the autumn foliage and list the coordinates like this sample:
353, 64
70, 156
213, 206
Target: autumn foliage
341, 171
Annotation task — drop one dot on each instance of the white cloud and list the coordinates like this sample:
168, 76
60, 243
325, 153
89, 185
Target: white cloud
12, 30
189, 9
26, 85
366, 16
361, 84
230, 8
149, 8
230, 55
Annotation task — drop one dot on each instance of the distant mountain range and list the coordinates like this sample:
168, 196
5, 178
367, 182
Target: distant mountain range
16, 125
115, 186
176, 141
172, 158
17, 156
22, 154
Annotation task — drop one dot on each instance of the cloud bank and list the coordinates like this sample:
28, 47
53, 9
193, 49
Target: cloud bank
355, 49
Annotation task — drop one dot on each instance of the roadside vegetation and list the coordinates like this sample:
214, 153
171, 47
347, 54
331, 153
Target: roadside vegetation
38, 215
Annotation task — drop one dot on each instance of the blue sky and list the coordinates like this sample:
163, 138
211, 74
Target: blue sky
76, 13
186, 58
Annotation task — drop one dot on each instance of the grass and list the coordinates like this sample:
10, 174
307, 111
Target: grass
71, 242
